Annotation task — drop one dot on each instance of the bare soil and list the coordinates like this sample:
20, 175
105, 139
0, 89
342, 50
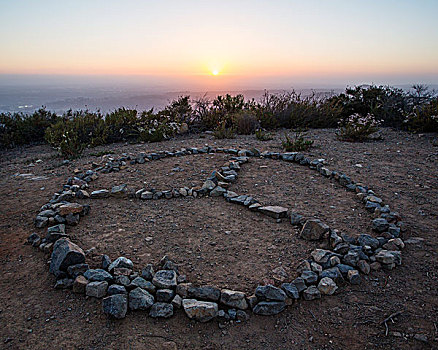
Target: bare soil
219, 243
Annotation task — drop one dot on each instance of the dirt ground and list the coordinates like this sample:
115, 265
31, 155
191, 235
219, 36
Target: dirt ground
224, 244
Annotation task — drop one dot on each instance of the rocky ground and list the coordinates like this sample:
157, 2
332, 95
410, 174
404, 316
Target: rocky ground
223, 244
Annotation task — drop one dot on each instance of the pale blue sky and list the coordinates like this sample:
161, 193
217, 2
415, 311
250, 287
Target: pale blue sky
306, 40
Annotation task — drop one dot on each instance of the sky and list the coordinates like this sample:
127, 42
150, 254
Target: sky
261, 43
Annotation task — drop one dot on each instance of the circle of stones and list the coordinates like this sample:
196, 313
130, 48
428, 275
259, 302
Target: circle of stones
164, 291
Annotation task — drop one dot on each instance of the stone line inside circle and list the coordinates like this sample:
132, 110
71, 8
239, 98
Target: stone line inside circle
341, 258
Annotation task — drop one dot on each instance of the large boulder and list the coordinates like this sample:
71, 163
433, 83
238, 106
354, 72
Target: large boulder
65, 254
115, 306
202, 311
313, 230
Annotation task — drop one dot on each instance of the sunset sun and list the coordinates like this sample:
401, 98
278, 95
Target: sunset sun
215, 72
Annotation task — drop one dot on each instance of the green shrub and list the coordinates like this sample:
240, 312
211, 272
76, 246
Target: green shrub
77, 131
221, 111
423, 118
296, 144
179, 110
222, 132
386, 103
20, 129
156, 127
292, 110
262, 135
122, 125
357, 128
245, 122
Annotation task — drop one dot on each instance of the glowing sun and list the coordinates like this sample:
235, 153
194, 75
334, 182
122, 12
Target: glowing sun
215, 72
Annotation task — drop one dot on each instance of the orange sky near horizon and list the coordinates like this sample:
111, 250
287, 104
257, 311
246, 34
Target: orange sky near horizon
238, 39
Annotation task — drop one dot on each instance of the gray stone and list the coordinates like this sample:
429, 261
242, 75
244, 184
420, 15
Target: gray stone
309, 277
100, 194
335, 239
98, 275
70, 208
41, 221
65, 254
241, 316
165, 295
353, 277
268, 308
121, 262
321, 256
64, 283
380, 225
145, 195
165, 279
208, 185
327, 286
351, 258
72, 219
119, 190
161, 310
34, 239
296, 219
218, 191
176, 302
202, 311
291, 290
334, 273
55, 232
115, 305
116, 289
363, 267
183, 289
139, 299
364, 240
313, 230
79, 284
371, 206
47, 213
204, 293
394, 230
123, 280
299, 283
96, 289
139, 282
106, 262
342, 248
233, 299
270, 292
148, 272
334, 260
311, 293
76, 270
274, 211
388, 257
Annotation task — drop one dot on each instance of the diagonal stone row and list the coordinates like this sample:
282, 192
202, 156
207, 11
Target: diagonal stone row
160, 293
